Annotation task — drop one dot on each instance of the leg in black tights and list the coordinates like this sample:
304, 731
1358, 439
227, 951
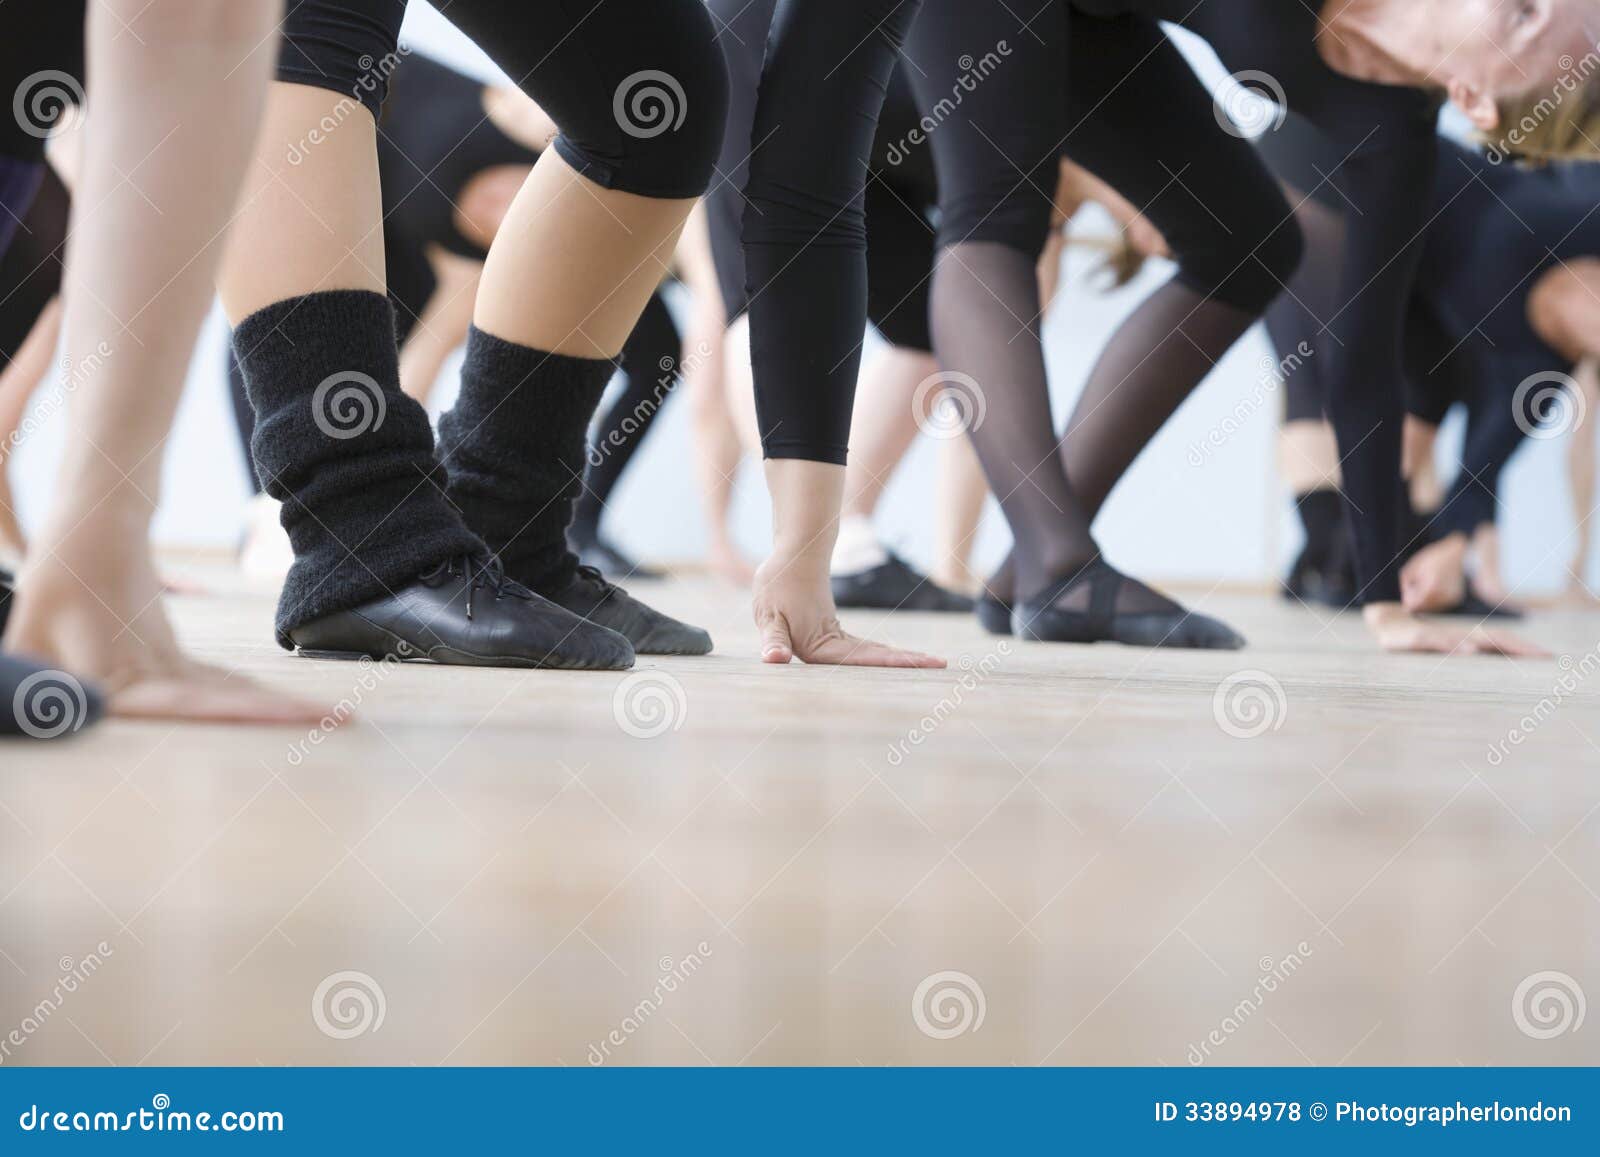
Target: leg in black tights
997, 157
649, 374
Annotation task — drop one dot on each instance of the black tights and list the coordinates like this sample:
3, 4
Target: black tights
1131, 110
649, 374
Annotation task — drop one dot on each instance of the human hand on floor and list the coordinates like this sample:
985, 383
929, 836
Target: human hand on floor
795, 612
1397, 629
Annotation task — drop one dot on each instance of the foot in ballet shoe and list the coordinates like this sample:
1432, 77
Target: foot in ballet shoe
38, 702
587, 594
465, 612
1097, 603
895, 586
994, 612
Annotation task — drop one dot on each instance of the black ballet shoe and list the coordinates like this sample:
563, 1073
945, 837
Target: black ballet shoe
589, 596
1474, 607
602, 555
1328, 584
1041, 620
38, 702
8, 585
994, 613
465, 612
894, 586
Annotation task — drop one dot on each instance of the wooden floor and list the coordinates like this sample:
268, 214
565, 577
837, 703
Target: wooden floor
1058, 855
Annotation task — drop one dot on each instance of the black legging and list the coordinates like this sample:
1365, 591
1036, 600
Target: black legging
823, 81
595, 66
1118, 98
1382, 137
41, 76
901, 190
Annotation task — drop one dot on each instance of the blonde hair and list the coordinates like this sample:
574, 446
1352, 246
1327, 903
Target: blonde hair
1553, 126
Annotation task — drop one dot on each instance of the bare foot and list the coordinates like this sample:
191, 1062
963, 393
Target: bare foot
795, 613
105, 624
1435, 579
731, 566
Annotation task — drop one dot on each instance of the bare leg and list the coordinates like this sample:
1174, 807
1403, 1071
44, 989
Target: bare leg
961, 493
1581, 476
18, 381
1417, 464
717, 450
182, 82
328, 202
884, 425
1308, 457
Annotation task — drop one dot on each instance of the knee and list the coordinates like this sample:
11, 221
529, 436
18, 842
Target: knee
667, 119
1011, 213
1251, 268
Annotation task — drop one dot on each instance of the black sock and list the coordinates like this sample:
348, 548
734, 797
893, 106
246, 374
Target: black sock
515, 448
347, 453
1322, 516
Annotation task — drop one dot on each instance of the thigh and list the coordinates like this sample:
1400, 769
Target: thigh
1140, 119
987, 75
41, 70
900, 253
632, 84
346, 46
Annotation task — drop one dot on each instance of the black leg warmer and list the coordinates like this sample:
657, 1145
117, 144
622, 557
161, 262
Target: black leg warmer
349, 455
515, 448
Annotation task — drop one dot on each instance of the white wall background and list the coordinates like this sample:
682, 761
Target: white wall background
1226, 519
